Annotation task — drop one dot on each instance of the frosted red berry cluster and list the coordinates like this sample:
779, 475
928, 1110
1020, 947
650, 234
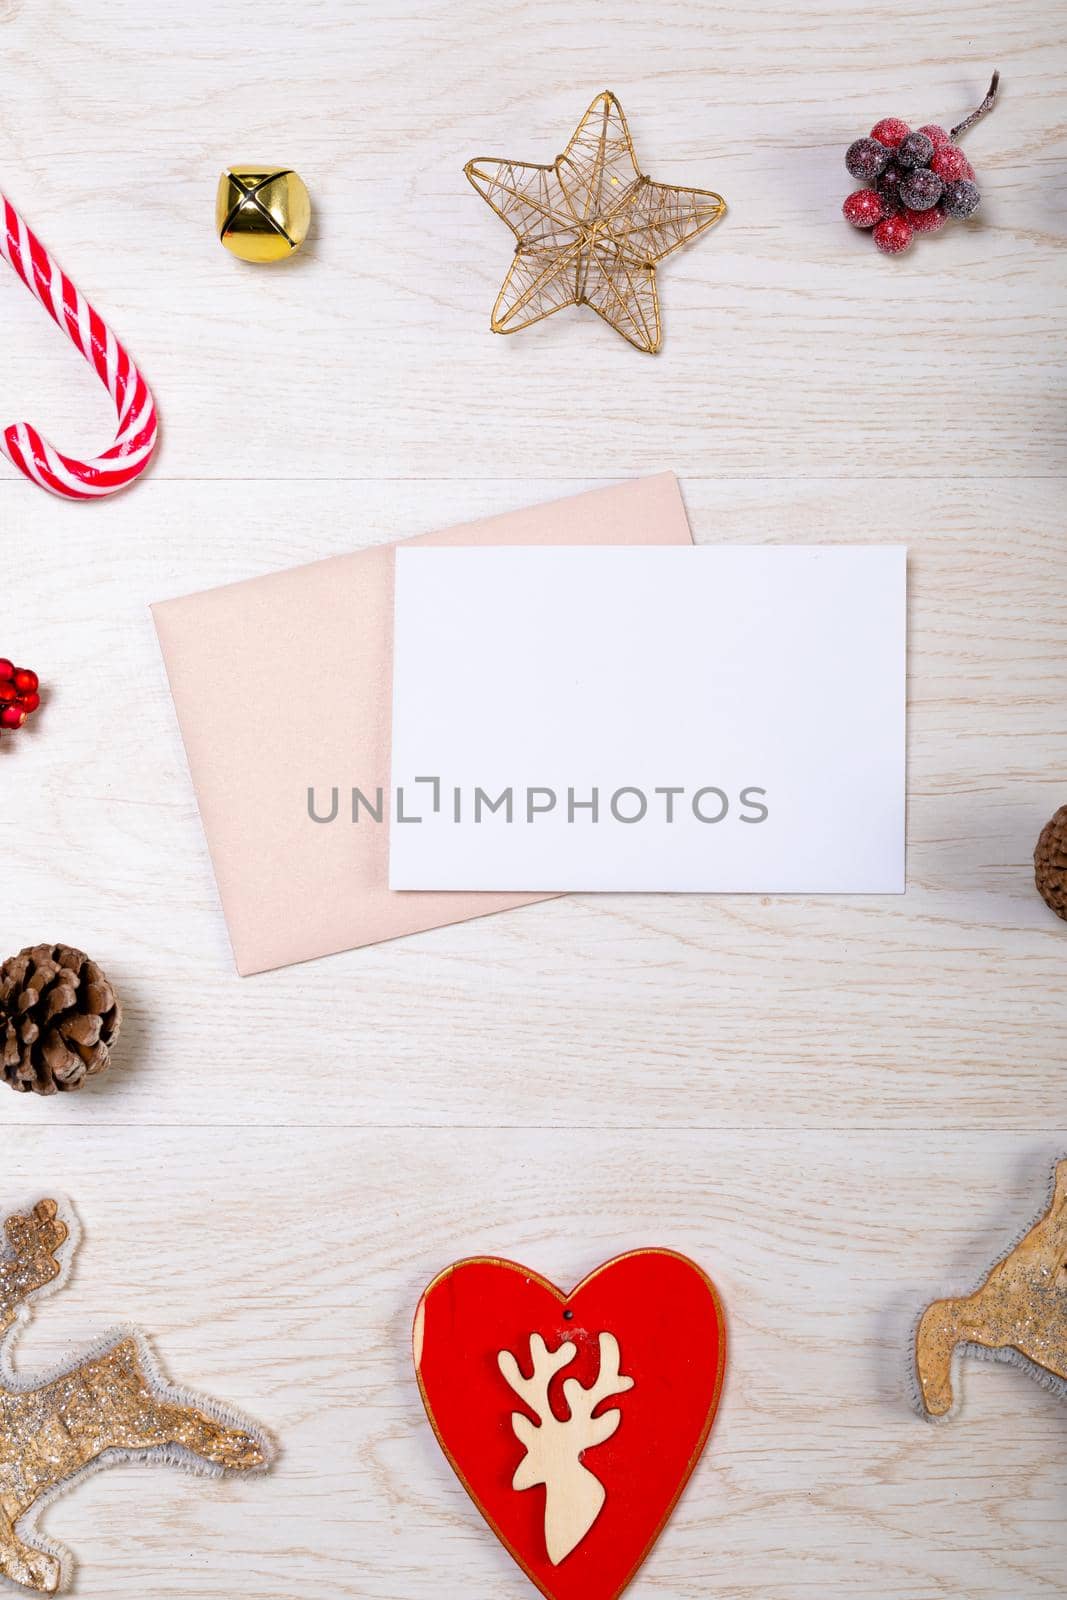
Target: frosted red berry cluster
916, 180
19, 697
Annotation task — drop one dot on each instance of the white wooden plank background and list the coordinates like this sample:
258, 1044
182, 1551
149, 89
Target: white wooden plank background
839, 1107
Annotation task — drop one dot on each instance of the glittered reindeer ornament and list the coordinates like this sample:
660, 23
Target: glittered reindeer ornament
1018, 1314
112, 1405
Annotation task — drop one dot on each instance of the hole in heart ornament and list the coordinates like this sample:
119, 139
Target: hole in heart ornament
618, 1384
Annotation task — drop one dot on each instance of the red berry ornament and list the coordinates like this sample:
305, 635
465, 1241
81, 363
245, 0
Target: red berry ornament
893, 235
925, 221
961, 199
920, 190
890, 131
916, 150
19, 698
950, 164
866, 158
864, 208
888, 187
916, 180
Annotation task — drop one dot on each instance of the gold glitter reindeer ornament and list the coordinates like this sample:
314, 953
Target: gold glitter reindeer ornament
1019, 1313
590, 229
113, 1405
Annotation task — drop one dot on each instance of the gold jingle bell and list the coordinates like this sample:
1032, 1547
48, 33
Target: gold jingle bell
262, 213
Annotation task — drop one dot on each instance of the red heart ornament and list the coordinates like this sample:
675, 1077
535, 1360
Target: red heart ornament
573, 1421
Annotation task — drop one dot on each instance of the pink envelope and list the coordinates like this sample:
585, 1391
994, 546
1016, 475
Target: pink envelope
291, 888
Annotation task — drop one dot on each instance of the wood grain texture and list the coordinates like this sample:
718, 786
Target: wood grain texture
295, 1302
840, 1108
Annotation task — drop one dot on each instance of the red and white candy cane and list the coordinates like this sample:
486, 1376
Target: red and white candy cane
137, 427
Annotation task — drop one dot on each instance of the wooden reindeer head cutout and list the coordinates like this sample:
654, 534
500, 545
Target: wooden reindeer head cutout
1018, 1314
619, 1383
574, 1496
113, 1404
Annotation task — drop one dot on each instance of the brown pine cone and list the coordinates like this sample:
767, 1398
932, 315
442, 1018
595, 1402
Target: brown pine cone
59, 1017
1050, 863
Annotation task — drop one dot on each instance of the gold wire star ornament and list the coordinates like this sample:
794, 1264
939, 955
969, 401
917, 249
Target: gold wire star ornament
590, 229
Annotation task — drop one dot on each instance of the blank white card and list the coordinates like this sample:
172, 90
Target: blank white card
719, 718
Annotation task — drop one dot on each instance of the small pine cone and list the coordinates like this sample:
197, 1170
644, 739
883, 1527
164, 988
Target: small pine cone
59, 1017
1050, 863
